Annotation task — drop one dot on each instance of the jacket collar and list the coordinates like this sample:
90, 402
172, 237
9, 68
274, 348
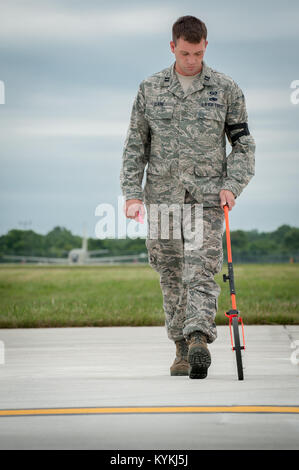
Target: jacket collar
170, 80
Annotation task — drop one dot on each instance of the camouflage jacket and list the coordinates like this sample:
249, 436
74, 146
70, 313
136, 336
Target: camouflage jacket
182, 138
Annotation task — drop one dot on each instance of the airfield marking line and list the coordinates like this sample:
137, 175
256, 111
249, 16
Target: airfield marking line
151, 409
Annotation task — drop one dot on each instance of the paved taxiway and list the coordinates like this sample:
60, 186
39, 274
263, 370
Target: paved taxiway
70, 377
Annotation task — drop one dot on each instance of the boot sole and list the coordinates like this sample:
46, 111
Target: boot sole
179, 373
199, 359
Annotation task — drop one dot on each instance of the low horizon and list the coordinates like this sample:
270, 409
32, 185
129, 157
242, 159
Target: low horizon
119, 238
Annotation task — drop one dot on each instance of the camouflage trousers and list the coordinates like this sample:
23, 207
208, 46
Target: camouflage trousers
190, 293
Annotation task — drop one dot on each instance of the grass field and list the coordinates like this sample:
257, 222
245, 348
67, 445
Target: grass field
38, 296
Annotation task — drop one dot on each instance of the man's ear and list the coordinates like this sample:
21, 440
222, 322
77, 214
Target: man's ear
172, 46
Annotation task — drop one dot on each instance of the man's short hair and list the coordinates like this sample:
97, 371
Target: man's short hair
190, 29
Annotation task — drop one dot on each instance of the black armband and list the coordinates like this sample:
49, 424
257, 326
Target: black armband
242, 126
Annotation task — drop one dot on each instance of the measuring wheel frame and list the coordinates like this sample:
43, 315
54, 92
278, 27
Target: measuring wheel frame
234, 318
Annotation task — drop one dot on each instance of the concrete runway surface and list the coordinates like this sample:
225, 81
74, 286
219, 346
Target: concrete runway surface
110, 388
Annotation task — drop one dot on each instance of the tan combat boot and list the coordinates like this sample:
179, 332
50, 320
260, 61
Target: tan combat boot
199, 357
180, 365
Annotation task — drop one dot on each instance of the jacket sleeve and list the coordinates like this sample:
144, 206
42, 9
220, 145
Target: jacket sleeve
136, 150
241, 161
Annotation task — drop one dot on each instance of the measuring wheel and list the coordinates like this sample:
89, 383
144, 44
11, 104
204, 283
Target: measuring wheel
238, 348
233, 315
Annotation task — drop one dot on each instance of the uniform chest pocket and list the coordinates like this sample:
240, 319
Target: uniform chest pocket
159, 111
212, 114
210, 125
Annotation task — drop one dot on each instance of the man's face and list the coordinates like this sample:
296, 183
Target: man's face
188, 56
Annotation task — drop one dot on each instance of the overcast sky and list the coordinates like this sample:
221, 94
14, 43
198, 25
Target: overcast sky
71, 70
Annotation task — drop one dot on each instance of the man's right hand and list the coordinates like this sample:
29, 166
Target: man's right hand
132, 208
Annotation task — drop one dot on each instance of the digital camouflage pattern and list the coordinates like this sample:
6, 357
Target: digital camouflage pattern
190, 293
181, 137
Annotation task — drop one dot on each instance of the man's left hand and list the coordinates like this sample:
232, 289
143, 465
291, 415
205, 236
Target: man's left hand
227, 197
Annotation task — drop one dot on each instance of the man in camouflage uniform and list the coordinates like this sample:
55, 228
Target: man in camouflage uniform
179, 123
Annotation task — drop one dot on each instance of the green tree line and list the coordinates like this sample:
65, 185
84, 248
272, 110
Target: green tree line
247, 246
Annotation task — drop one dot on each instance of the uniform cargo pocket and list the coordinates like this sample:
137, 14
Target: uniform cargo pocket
210, 163
208, 180
153, 253
214, 265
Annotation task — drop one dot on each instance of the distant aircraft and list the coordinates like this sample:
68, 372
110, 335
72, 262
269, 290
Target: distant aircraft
78, 256
82, 255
